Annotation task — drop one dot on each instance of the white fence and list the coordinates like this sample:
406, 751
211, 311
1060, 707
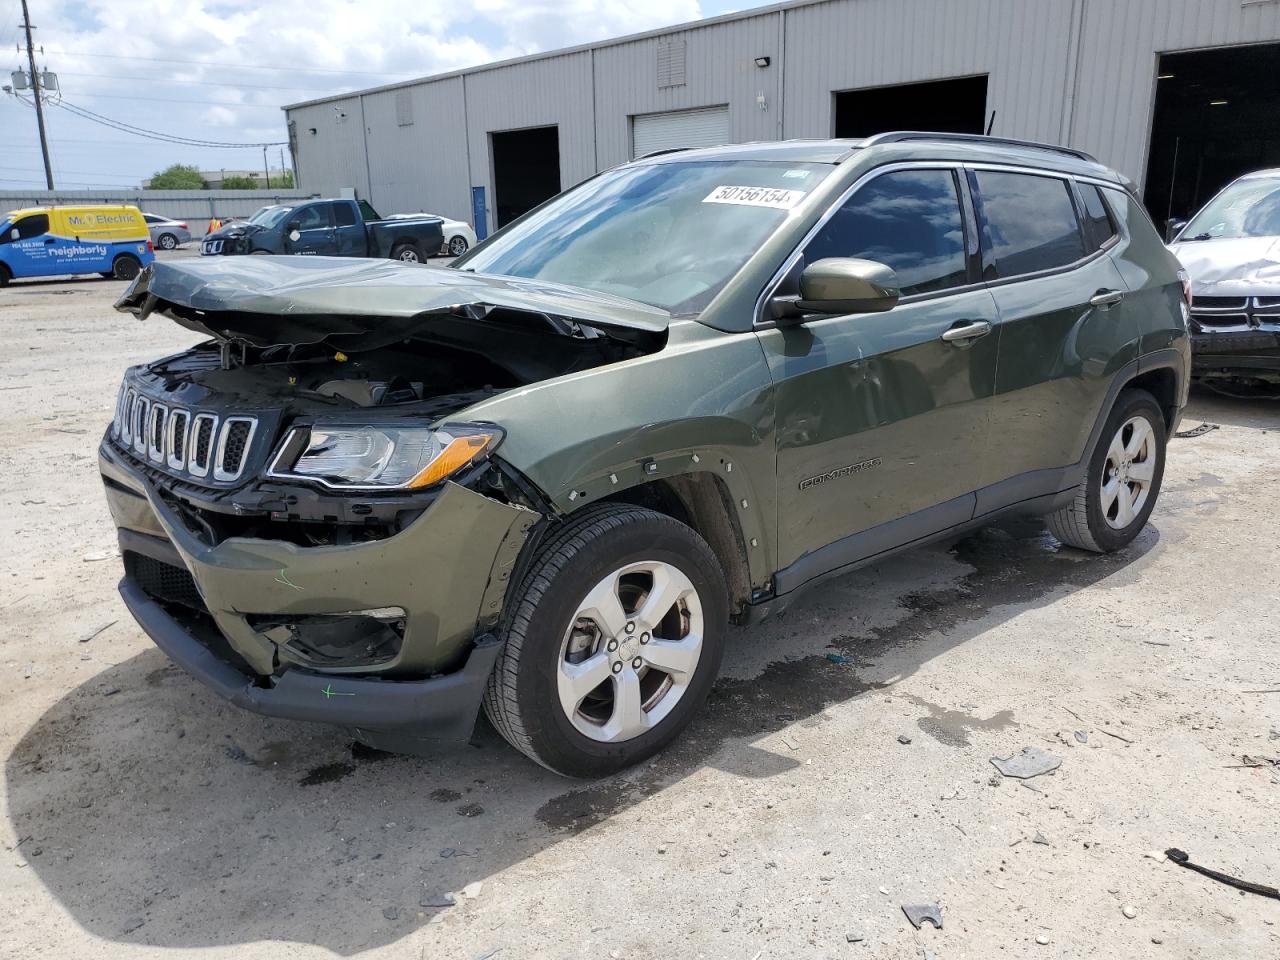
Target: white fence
193, 206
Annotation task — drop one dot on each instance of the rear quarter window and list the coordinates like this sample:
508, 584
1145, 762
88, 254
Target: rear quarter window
1099, 228
1027, 223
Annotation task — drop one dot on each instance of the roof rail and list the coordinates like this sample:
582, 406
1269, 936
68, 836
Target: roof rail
659, 153
898, 136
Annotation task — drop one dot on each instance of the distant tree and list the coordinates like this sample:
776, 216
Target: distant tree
178, 177
282, 179
237, 182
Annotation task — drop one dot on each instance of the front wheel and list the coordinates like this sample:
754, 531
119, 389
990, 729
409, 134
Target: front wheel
1119, 491
406, 253
5, 275
611, 643
125, 267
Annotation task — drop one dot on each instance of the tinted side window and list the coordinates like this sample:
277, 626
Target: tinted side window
1028, 223
309, 218
1098, 226
367, 211
344, 214
909, 220
28, 227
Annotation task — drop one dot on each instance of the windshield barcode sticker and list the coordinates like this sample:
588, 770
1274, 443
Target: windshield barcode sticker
755, 197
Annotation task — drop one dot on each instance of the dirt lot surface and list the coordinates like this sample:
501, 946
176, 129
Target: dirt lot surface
142, 817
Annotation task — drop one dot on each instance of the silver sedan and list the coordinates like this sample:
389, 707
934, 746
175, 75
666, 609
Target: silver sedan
166, 234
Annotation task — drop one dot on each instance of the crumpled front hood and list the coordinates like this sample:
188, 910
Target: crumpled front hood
281, 299
1236, 267
234, 230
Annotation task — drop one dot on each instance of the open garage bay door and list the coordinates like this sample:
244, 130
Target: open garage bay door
1215, 118
942, 106
526, 170
705, 127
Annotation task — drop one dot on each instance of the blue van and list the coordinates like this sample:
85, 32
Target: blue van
55, 241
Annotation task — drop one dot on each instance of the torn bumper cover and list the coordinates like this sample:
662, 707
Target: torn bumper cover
446, 572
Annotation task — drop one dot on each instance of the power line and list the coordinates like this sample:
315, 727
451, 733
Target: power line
197, 83
137, 131
212, 103
237, 66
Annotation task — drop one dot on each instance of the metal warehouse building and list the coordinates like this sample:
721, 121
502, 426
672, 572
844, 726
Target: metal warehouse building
1177, 94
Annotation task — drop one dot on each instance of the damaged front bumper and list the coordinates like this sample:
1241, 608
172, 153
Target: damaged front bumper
242, 615
1250, 352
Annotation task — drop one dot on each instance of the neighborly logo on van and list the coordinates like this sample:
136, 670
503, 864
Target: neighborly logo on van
96, 250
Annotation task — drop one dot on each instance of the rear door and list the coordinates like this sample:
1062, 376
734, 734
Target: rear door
348, 231
1063, 332
313, 224
881, 422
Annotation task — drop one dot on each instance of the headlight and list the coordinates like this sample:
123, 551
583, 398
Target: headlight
382, 457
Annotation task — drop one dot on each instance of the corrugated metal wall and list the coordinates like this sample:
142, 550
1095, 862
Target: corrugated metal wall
1080, 72
193, 206
719, 68
415, 167
555, 91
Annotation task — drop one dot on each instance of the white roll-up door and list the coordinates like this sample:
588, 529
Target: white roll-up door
705, 127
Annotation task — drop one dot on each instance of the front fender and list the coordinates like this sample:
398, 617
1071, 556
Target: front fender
704, 403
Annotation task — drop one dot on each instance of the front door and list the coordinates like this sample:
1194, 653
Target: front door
883, 418
314, 227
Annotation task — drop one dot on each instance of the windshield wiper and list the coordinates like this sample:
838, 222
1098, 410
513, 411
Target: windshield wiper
1198, 236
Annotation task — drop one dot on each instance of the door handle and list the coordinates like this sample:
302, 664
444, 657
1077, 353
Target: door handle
49, 240
1106, 298
967, 330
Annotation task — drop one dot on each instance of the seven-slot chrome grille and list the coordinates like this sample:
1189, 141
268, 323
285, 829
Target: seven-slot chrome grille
203, 446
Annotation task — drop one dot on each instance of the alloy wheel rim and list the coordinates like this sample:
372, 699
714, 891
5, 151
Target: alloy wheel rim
1128, 473
409, 256
630, 652
457, 246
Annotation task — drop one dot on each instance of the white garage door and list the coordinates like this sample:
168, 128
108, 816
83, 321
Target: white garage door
707, 127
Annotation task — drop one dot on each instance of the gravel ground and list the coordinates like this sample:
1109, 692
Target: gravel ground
841, 770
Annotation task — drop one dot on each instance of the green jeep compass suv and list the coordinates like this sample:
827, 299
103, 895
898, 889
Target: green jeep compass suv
544, 479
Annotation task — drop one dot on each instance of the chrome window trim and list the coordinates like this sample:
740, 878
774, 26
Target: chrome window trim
193, 467
177, 459
762, 323
158, 410
223, 434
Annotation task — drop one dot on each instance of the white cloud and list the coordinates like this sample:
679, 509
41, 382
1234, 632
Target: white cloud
112, 56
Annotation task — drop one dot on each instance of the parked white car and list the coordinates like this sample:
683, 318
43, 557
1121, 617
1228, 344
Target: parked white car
458, 236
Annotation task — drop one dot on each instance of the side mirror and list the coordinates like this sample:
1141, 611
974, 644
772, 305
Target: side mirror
839, 285
1172, 228
14, 235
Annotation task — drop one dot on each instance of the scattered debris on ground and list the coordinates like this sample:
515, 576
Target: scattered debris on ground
904, 739
1199, 431
925, 913
93, 633
1183, 859
1029, 762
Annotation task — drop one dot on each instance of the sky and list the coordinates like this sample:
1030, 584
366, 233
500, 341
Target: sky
219, 70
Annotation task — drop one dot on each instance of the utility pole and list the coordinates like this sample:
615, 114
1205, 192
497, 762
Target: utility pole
266, 171
35, 88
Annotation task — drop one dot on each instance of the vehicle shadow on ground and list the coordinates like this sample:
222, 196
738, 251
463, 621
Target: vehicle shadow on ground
159, 815
1209, 406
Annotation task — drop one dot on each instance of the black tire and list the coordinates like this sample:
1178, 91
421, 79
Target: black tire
167, 241
125, 267
521, 698
457, 246
1084, 522
407, 253
260, 253
5, 275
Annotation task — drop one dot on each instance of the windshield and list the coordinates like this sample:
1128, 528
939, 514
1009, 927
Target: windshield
668, 234
269, 216
1247, 208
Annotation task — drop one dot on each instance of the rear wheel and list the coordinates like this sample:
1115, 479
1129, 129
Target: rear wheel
406, 253
457, 246
125, 267
1119, 491
611, 642
167, 241
5, 275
